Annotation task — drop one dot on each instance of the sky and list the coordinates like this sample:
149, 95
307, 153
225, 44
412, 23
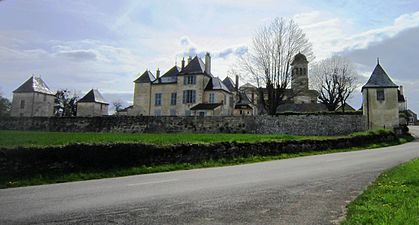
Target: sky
106, 44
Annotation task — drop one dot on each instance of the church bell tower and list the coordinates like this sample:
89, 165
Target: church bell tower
299, 75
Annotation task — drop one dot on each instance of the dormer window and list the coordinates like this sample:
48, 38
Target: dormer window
189, 80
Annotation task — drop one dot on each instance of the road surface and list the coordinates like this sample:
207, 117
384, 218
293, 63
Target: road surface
306, 190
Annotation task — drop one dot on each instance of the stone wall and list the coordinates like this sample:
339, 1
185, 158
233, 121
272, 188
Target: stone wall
312, 125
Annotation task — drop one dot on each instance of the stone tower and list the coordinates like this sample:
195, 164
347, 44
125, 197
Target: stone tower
299, 67
142, 94
380, 100
33, 99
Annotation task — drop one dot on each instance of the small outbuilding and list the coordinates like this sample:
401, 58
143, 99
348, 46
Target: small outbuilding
33, 99
92, 104
381, 100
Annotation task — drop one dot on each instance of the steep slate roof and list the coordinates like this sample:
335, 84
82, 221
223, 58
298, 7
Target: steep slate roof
244, 101
299, 58
93, 96
216, 84
34, 84
228, 82
379, 79
196, 66
146, 77
206, 106
169, 77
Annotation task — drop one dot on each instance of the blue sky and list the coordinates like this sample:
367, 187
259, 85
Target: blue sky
104, 44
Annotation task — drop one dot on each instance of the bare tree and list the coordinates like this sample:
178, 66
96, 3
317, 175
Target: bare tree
65, 103
117, 105
335, 80
268, 61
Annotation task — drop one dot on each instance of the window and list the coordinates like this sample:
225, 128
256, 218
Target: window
22, 104
187, 112
189, 80
202, 114
189, 96
211, 98
157, 99
380, 95
173, 112
173, 99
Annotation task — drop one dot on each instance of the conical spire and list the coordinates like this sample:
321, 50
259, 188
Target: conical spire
379, 79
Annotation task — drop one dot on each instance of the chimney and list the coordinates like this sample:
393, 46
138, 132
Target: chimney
207, 63
183, 63
189, 59
158, 73
237, 83
401, 90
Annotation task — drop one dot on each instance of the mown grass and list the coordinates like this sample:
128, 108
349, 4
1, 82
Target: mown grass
392, 199
12, 139
88, 175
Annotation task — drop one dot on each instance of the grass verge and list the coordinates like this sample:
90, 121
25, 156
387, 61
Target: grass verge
50, 178
392, 199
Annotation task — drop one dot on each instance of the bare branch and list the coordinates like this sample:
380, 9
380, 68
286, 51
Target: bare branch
335, 81
268, 61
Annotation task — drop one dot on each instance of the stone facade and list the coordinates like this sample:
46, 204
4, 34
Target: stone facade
283, 124
190, 90
89, 109
32, 104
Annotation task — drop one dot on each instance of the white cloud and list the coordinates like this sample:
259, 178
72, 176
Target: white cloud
189, 48
331, 35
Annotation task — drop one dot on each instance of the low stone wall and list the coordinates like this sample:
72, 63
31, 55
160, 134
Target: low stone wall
314, 125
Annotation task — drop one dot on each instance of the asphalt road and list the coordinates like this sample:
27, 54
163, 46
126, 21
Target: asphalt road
306, 190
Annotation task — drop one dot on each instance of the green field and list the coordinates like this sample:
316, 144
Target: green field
392, 199
11, 139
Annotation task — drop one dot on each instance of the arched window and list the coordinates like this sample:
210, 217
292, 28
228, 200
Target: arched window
301, 71
305, 71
